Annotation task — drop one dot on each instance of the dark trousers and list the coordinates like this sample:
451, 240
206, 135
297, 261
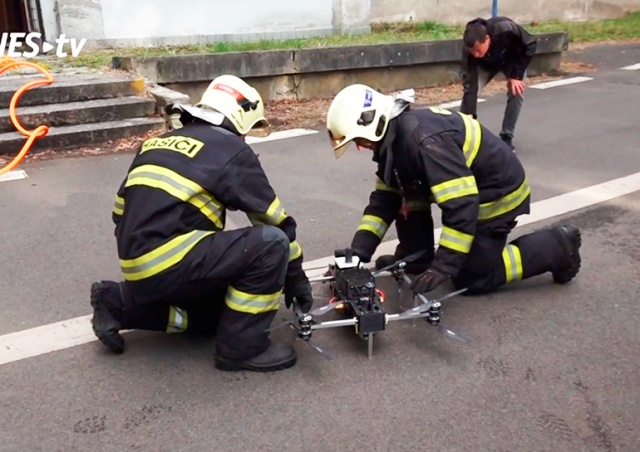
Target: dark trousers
229, 285
513, 107
491, 262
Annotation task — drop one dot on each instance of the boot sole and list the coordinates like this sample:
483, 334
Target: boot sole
233, 366
106, 340
574, 242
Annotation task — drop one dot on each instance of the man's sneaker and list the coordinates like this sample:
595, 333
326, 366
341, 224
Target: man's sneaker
570, 239
276, 357
414, 268
105, 297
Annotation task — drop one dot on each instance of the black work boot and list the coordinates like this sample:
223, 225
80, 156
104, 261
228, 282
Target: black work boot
107, 304
276, 357
415, 268
570, 240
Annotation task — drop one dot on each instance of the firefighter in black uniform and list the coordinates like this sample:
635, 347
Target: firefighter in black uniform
181, 271
491, 46
436, 155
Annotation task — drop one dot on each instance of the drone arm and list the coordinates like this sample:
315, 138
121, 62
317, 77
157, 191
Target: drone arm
334, 323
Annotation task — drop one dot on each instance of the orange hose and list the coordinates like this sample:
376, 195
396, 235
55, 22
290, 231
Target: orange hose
40, 131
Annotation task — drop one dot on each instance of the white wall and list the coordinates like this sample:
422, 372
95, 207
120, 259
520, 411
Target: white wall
49, 22
179, 22
461, 11
189, 19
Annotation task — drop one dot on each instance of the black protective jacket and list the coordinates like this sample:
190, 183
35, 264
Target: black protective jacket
511, 50
177, 191
445, 157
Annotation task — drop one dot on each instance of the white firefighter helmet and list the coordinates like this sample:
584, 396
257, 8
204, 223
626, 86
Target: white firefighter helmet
357, 111
239, 102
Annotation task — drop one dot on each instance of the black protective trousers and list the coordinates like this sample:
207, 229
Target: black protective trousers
491, 262
229, 286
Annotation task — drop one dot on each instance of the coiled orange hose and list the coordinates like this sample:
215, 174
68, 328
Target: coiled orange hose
7, 63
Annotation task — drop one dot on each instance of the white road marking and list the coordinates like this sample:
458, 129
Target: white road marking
566, 81
281, 135
456, 103
70, 333
13, 175
633, 67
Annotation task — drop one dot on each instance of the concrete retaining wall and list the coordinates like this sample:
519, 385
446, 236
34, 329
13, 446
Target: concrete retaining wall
308, 73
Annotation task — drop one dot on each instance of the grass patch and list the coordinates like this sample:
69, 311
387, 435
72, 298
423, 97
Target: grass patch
627, 27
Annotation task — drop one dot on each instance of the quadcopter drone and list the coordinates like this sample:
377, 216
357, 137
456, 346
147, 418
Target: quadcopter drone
354, 292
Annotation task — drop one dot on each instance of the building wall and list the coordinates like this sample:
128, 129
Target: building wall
461, 11
174, 22
192, 21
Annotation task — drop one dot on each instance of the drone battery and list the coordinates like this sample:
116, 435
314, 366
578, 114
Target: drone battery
371, 322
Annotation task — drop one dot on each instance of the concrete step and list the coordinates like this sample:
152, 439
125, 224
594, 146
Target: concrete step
69, 88
80, 135
73, 113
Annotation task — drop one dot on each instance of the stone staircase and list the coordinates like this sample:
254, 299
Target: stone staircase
80, 110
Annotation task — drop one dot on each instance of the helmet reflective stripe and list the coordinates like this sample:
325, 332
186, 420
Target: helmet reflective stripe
245, 103
357, 111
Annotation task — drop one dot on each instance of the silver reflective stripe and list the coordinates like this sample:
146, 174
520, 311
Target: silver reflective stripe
119, 203
206, 200
171, 252
374, 227
279, 211
463, 185
513, 265
257, 304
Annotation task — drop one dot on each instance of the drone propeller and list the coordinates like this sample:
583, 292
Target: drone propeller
323, 353
326, 308
424, 307
453, 335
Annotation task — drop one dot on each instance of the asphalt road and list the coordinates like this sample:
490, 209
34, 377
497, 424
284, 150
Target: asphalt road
550, 367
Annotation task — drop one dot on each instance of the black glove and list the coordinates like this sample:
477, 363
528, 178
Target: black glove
298, 288
429, 280
362, 255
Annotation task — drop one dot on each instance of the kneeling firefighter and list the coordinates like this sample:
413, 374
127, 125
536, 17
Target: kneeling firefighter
181, 270
437, 155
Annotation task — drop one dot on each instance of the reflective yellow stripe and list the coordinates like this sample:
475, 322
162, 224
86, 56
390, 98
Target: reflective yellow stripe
506, 204
455, 188
178, 320
295, 251
380, 185
276, 212
512, 263
373, 224
178, 186
455, 240
274, 215
118, 206
252, 303
161, 258
472, 138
